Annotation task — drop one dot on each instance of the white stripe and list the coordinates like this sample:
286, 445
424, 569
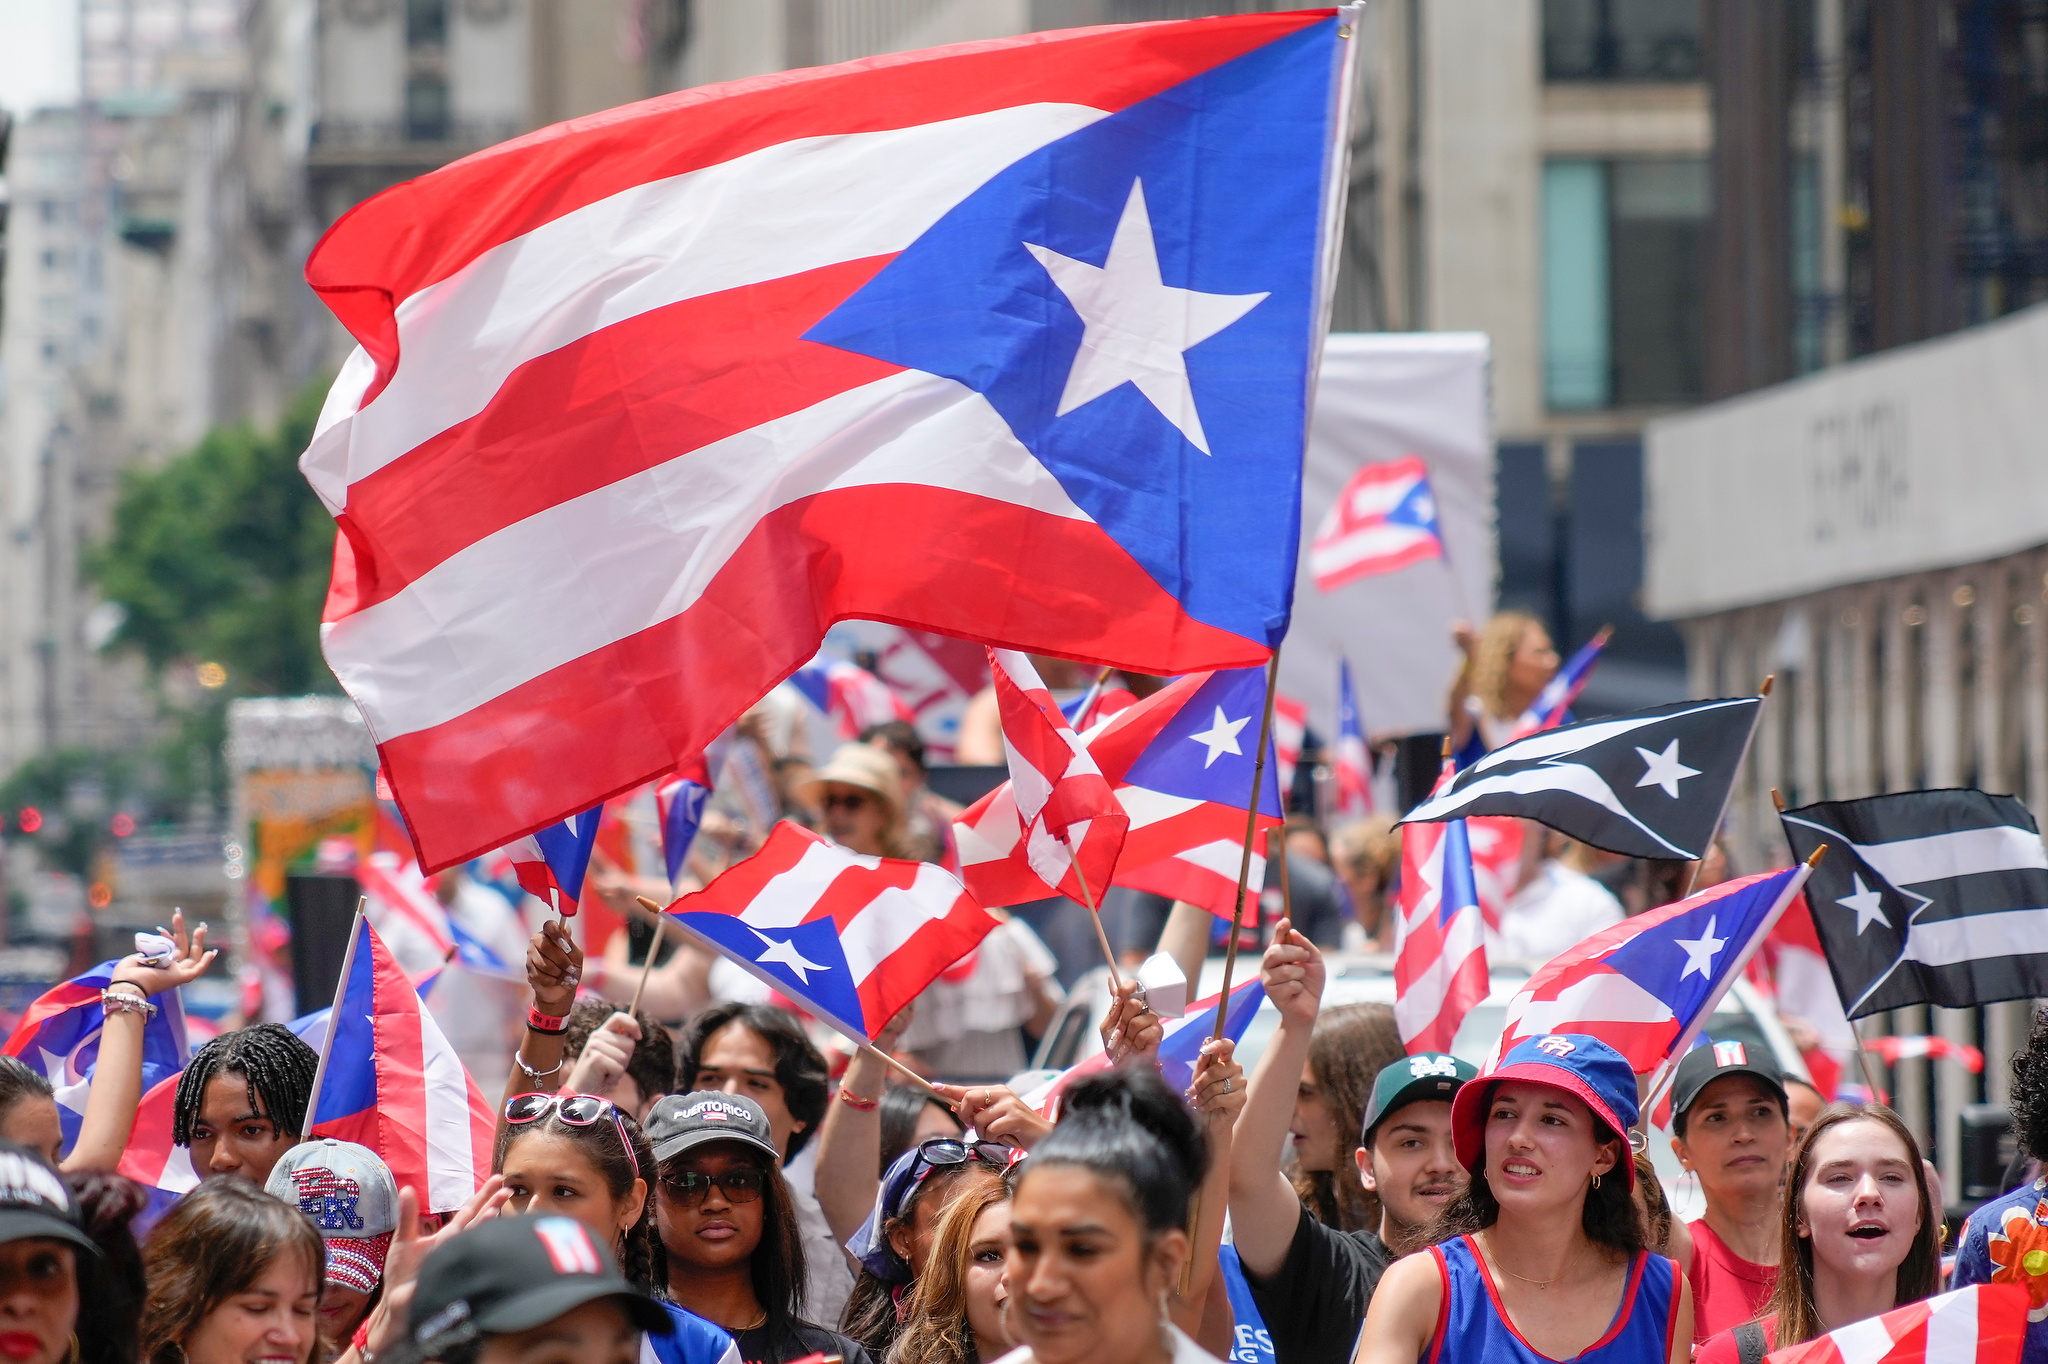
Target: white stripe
1146, 806
1417, 1006
1966, 852
601, 567
1603, 997
775, 212
889, 920
789, 896
1221, 857
1947, 942
1574, 738
451, 1164
1380, 496
992, 839
1369, 543
1952, 1328
1863, 1342
1574, 779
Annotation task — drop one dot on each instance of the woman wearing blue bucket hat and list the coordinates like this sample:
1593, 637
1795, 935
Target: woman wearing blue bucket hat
1543, 1259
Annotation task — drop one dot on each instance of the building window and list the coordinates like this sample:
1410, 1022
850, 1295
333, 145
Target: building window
1623, 255
426, 23
1621, 40
426, 109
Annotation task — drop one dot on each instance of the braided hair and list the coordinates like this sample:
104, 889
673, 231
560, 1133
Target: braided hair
642, 1257
277, 1066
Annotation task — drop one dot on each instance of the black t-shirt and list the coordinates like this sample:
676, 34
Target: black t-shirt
1314, 1306
797, 1340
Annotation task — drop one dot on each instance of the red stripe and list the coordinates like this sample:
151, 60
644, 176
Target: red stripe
401, 1071
624, 714
389, 247
733, 889
855, 888
56, 1000
627, 398
903, 974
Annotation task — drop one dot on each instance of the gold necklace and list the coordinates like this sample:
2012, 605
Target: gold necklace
1540, 1283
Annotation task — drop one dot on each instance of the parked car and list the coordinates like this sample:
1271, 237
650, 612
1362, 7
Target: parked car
1368, 978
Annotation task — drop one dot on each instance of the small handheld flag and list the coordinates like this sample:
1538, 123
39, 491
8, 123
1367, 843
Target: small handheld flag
1353, 758
1982, 1324
1070, 821
1440, 972
389, 1080
850, 938
680, 803
550, 863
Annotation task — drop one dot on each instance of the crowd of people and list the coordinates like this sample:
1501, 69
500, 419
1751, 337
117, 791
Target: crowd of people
696, 1182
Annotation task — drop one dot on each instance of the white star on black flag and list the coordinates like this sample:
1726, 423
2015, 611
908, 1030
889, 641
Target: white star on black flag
1651, 784
1927, 897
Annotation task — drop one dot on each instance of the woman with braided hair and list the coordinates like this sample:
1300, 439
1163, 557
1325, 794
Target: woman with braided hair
241, 1104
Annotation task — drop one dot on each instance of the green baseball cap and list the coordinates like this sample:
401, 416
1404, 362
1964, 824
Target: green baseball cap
1413, 1079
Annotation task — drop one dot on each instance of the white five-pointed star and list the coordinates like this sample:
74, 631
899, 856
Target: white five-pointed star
1867, 903
1135, 327
1664, 769
784, 953
1221, 737
1699, 952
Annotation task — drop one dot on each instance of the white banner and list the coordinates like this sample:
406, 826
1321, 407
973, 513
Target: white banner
1925, 457
1383, 396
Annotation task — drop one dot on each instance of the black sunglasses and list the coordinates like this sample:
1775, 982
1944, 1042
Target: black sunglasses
740, 1184
843, 801
952, 1151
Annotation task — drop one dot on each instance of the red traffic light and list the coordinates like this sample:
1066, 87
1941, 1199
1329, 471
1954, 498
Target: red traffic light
123, 825
30, 819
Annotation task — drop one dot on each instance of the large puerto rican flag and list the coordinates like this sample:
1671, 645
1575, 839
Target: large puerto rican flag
645, 401
59, 1038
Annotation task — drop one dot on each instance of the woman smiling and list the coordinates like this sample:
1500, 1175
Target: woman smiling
1859, 1236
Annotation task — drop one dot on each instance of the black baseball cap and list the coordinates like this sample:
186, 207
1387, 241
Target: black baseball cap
34, 1201
512, 1274
680, 1122
1413, 1079
1711, 1061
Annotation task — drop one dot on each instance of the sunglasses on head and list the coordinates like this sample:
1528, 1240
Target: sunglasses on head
576, 1110
941, 1151
740, 1184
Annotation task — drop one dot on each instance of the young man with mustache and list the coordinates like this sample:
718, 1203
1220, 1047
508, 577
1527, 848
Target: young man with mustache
1311, 1282
1731, 1126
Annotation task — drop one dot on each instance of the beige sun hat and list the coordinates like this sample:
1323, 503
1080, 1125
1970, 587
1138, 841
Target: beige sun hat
862, 765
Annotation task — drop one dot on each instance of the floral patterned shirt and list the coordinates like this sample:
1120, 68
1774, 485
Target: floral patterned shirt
2006, 1241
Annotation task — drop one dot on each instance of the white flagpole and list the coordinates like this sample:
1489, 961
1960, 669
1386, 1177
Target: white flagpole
348, 961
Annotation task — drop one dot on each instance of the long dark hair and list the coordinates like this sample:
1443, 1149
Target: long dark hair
642, 1257
111, 1284
776, 1268
1918, 1275
902, 1108
215, 1243
1346, 1052
1132, 1132
19, 1081
1608, 1217
799, 1069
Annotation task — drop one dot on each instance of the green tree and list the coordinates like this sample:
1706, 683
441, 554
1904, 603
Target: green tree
222, 555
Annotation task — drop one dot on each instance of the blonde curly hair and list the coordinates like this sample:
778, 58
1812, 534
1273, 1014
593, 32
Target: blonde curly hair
1493, 654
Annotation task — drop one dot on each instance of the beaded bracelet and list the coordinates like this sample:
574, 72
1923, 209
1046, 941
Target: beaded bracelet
546, 1023
121, 1002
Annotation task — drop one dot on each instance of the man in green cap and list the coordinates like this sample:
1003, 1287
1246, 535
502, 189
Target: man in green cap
1312, 1282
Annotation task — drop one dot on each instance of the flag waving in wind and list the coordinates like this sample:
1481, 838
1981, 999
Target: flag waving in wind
851, 938
389, 1080
1651, 784
1646, 985
1070, 822
1180, 1048
59, 1038
550, 863
1385, 519
1012, 340
1982, 1324
1440, 956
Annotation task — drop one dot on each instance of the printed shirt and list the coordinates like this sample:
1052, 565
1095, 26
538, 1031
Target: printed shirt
2006, 1241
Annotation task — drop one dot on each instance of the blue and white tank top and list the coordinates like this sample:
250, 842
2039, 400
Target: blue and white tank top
1473, 1328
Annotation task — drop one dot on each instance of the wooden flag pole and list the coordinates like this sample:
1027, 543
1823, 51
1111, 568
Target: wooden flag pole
1251, 834
647, 969
1763, 692
1095, 915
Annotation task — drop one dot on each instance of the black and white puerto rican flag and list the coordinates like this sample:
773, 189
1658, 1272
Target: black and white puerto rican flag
1927, 897
1651, 784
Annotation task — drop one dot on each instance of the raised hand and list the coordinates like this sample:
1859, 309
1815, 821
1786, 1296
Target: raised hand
1131, 1028
606, 1055
554, 965
1292, 973
410, 1247
187, 964
996, 1113
1218, 1088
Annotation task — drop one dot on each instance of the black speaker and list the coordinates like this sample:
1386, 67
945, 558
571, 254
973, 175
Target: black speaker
322, 910
1418, 761
1987, 1146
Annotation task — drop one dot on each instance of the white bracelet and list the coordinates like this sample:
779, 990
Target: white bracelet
534, 1076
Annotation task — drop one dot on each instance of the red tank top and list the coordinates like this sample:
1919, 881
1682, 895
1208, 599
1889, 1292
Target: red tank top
1727, 1290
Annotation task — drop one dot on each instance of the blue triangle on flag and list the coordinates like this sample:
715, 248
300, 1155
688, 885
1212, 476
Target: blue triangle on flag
805, 961
1207, 749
